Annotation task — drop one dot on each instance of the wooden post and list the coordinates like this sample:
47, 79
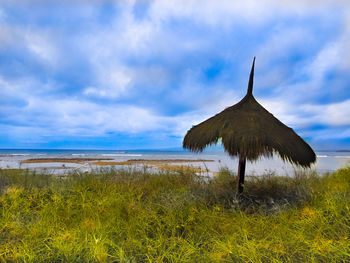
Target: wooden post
240, 175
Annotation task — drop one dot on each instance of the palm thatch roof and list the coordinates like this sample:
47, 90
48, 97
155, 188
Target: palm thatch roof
247, 129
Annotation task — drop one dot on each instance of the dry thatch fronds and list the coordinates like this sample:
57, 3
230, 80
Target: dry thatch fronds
247, 129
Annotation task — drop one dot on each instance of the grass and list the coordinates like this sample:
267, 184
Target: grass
173, 216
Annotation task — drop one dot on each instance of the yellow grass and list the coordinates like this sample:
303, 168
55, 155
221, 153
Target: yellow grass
169, 167
137, 216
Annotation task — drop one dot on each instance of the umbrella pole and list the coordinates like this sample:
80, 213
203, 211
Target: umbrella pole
241, 172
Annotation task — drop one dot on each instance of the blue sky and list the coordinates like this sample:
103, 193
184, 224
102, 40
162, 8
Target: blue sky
139, 74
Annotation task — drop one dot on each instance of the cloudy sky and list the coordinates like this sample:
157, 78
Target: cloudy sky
139, 74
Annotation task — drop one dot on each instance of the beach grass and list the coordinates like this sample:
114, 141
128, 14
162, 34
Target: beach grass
130, 215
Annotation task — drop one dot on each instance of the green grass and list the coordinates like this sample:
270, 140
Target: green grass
131, 216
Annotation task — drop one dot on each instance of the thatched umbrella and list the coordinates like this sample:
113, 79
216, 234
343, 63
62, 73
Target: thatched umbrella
248, 130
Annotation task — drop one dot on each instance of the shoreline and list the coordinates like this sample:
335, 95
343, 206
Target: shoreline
60, 163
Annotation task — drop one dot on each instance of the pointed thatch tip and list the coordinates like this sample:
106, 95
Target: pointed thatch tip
250, 84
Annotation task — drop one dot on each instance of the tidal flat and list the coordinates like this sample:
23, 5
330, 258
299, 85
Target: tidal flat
93, 163
127, 215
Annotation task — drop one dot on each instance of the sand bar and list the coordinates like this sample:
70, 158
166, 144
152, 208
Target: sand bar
64, 160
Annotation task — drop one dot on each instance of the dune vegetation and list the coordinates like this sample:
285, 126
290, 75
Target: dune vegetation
173, 216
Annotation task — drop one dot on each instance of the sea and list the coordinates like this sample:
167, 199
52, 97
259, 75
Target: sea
327, 161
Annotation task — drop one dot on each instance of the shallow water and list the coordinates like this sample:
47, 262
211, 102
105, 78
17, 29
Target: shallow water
326, 161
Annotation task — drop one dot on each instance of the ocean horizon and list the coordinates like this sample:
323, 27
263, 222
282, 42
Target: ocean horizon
327, 160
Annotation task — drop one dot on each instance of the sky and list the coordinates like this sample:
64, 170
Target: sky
139, 74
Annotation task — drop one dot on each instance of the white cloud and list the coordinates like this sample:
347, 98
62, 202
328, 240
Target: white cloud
41, 45
6, 36
333, 114
72, 117
307, 115
226, 12
284, 40
334, 55
305, 81
46, 115
128, 55
211, 12
135, 34
112, 83
286, 112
